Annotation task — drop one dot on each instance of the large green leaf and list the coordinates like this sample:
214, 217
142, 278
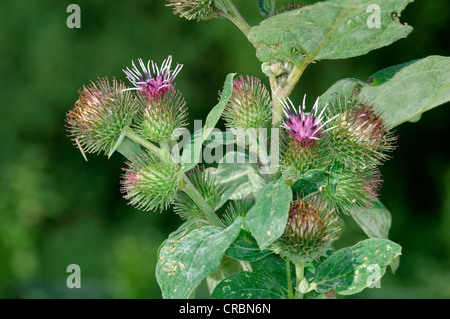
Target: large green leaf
401, 93
185, 261
334, 29
404, 93
350, 270
267, 219
247, 285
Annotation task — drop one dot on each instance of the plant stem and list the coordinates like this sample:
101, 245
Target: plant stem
187, 187
281, 92
289, 280
234, 15
299, 273
185, 184
148, 145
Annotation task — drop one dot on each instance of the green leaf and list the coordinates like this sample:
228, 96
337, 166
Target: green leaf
247, 285
267, 219
416, 87
334, 29
274, 268
183, 230
184, 262
216, 112
128, 148
245, 248
375, 221
238, 175
350, 270
400, 93
311, 182
192, 150
345, 89
311, 267
266, 7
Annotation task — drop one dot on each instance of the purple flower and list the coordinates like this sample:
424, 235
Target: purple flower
153, 81
305, 128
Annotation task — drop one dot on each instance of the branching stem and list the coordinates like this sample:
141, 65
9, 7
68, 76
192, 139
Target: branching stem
185, 184
282, 91
234, 15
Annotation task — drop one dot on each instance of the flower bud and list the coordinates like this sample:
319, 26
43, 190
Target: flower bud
100, 115
360, 139
207, 186
150, 183
310, 229
193, 9
160, 116
249, 105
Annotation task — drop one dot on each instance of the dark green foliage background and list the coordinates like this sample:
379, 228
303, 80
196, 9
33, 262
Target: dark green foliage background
56, 209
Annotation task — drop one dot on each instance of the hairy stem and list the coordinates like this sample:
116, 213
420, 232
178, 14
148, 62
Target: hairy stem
289, 280
282, 91
299, 273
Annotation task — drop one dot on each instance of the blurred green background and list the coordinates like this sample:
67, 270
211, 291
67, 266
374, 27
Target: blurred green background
56, 209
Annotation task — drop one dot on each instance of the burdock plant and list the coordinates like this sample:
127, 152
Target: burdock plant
246, 226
